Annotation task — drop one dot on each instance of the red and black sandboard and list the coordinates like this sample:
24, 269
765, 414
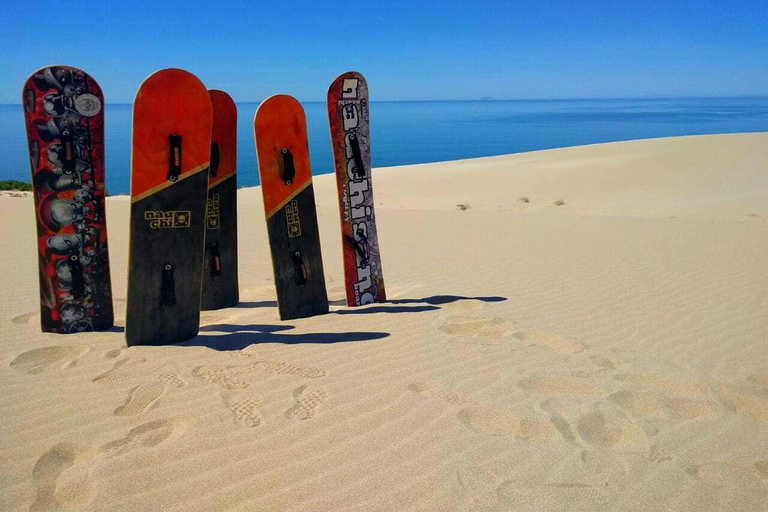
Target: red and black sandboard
64, 114
220, 288
348, 117
170, 154
280, 130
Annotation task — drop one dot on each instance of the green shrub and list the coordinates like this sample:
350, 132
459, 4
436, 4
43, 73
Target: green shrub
15, 185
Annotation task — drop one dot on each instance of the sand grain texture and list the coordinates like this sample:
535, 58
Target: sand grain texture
607, 354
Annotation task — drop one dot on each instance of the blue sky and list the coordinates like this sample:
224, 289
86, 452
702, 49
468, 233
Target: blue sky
408, 50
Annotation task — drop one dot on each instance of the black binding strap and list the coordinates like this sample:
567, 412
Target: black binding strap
215, 159
215, 259
76, 271
289, 171
300, 268
357, 156
174, 161
67, 136
358, 245
167, 287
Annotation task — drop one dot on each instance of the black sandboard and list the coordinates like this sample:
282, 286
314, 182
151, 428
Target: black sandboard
220, 279
169, 184
280, 131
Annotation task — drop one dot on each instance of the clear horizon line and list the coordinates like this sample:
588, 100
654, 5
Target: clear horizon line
564, 98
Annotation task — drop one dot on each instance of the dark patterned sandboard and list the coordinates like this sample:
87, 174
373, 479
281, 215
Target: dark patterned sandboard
350, 141
280, 130
220, 288
170, 153
64, 114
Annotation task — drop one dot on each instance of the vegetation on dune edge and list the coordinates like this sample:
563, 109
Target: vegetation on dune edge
15, 185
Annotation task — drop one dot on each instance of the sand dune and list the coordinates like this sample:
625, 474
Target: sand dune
606, 353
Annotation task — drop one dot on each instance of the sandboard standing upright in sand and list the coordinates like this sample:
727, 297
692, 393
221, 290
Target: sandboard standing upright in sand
64, 114
170, 154
280, 130
220, 284
350, 142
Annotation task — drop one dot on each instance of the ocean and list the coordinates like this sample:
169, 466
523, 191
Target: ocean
432, 131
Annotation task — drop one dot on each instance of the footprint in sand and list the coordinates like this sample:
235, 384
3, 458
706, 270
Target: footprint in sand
476, 326
307, 400
145, 436
646, 404
480, 484
125, 369
111, 354
62, 475
752, 406
218, 374
245, 412
431, 390
611, 429
24, 318
48, 359
226, 376
551, 342
281, 368
147, 394
495, 422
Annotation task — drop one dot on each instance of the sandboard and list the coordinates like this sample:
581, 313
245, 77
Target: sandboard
280, 130
64, 114
220, 288
348, 118
170, 153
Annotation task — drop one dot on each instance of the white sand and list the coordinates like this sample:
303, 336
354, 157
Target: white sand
626, 369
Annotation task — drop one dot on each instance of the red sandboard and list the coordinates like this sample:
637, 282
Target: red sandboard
350, 142
64, 113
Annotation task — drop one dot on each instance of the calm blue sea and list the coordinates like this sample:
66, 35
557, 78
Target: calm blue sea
431, 131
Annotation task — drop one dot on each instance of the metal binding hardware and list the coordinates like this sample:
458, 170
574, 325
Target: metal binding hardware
357, 156
76, 271
289, 171
215, 159
215, 259
300, 268
167, 292
174, 163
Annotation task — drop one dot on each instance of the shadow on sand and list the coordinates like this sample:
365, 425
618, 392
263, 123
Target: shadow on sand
226, 337
241, 338
394, 306
437, 300
385, 309
259, 304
